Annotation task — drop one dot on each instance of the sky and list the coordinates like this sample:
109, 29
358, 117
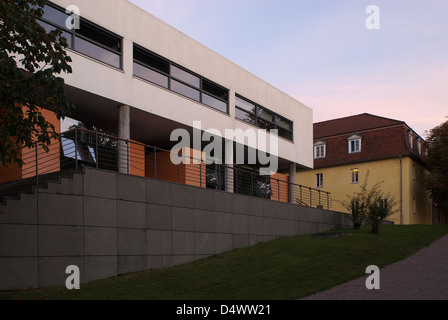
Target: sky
321, 52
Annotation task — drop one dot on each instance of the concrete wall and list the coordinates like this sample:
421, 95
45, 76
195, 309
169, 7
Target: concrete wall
109, 224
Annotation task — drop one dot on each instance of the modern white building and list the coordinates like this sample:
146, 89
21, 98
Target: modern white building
140, 78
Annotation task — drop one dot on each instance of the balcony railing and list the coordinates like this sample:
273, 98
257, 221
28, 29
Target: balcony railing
80, 148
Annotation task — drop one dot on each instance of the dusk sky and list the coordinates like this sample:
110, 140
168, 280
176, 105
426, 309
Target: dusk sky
321, 53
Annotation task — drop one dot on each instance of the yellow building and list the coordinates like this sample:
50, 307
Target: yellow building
347, 149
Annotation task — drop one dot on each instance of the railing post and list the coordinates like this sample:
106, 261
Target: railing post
178, 173
266, 186
128, 156
76, 149
37, 165
301, 195
96, 150
251, 184
311, 198
155, 163
319, 199
278, 190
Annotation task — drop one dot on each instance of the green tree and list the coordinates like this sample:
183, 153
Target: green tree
30, 61
436, 179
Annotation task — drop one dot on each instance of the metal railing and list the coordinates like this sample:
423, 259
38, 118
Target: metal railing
80, 148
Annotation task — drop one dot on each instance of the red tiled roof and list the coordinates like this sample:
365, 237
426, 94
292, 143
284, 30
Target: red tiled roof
351, 124
381, 138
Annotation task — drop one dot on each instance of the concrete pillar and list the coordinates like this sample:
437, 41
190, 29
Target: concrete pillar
292, 182
124, 133
229, 166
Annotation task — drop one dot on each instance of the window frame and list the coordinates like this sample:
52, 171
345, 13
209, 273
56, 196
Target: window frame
172, 78
320, 150
96, 27
411, 139
354, 175
258, 119
319, 180
353, 140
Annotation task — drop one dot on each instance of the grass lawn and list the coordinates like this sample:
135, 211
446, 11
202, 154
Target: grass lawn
287, 268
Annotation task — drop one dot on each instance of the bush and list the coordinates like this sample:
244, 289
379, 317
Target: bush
371, 205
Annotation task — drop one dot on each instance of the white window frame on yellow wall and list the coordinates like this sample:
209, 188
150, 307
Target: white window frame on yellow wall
319, 180
355, 175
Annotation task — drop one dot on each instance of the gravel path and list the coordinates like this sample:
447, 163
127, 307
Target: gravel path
422, 276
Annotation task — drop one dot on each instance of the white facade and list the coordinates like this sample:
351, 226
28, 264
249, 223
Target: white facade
99, 89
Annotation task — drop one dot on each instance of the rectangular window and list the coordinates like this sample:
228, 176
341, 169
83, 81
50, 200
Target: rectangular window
215, 96
245, 105
263, 118
89, 39
320, 180
354, 145
94, 51
355, 175
411, 140
158, 70
152, 61
185, 90
150, 75
185, 77
245, 116
214, 103
320, 151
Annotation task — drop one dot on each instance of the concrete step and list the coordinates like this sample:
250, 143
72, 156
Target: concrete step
13, 190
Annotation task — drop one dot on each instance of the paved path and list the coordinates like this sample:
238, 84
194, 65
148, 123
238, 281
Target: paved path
422, 276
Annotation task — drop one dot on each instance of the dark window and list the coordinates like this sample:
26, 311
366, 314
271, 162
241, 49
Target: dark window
92, 50
265, 114
245, 116
263, 118
151, 60
92, 33
89, 39
48, 27
158, 70
214, 90
54, 15
185, 90
245, 105
214, 103
185, 77
283, 123
150, 75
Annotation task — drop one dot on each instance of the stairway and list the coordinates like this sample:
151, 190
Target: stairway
13, 190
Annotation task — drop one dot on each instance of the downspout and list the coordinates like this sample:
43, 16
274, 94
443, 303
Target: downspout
401, 189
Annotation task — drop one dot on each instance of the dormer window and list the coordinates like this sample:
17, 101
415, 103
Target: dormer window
354, 144
411, 139
320, 150
419, 146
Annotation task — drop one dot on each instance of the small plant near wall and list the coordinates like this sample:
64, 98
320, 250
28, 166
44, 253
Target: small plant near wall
371, 205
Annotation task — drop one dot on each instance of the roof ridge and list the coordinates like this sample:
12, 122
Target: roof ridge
358, 115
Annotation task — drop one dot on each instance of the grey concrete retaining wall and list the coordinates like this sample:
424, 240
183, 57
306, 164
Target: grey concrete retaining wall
109, 224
